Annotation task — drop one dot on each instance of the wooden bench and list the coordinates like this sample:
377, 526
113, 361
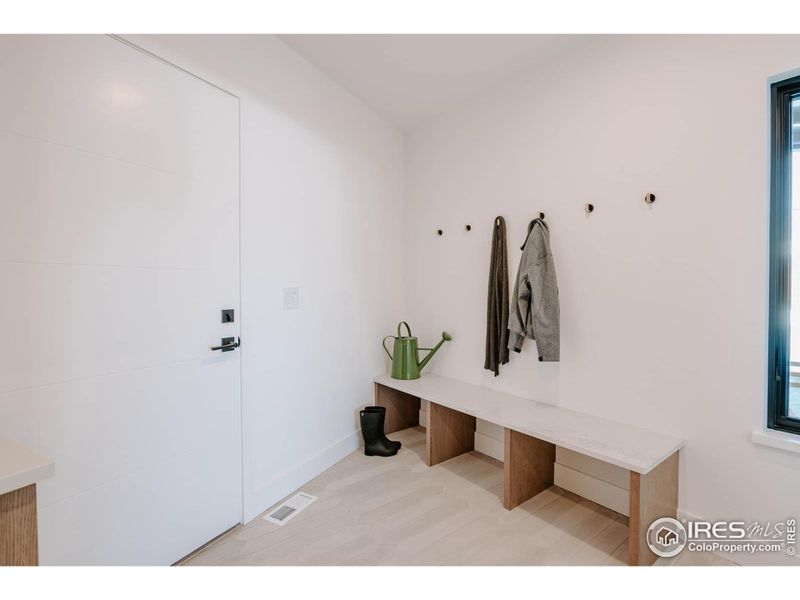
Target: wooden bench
532, 432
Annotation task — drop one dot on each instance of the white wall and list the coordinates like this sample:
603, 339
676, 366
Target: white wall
664, 308
322, 210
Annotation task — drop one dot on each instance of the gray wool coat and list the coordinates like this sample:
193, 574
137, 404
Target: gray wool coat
534, 311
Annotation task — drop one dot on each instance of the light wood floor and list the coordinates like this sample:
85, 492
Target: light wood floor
398, 511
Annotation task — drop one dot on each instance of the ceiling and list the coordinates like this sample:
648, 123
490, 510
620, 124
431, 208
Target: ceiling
411, 78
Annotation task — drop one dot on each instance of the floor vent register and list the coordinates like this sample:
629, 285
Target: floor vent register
288, 509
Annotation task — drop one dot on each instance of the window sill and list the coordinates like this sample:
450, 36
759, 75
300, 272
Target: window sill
777, 439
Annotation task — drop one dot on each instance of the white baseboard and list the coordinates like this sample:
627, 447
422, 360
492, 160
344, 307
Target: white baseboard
491, 430
591, 488
282, 485
593, 467
489, 446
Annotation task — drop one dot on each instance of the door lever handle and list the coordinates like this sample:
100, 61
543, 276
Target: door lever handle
228, 344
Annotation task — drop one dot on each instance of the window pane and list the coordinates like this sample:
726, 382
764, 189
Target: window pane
794, 370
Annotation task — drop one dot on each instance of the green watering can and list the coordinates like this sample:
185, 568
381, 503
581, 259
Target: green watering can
405, 360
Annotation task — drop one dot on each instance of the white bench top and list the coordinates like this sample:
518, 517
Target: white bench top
20, 466
626, 446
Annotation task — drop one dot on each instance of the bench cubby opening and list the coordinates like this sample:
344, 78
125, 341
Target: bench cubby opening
402, 409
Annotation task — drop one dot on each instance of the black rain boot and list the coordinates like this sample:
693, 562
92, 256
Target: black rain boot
382, 411
374, 444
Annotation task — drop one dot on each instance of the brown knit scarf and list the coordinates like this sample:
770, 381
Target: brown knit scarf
497, 301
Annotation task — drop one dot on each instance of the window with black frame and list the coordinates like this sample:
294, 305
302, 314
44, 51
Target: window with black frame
784, 297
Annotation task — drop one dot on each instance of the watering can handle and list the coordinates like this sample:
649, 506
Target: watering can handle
385, 348
407, 329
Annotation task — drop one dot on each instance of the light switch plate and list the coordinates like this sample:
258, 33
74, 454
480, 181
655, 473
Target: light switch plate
291, 298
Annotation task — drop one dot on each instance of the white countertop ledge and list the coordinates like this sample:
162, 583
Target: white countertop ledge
20, 466
623, 445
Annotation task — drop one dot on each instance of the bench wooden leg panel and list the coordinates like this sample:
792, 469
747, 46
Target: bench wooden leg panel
402, 410
653, 496
527, 469
449, 433
19, 544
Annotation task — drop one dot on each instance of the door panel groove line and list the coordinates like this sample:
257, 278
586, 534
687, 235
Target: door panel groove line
94, 153
45, 386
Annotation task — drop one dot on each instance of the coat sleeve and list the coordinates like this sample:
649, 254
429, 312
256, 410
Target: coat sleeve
519, 318
545, 314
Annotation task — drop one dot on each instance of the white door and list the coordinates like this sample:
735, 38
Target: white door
119, 247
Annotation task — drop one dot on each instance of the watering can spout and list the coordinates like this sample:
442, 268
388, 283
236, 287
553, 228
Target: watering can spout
446, 337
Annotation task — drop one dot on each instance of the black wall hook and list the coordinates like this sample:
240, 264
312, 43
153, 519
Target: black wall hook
541, 215
650, 198
468, 227
589, 207
439, 232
